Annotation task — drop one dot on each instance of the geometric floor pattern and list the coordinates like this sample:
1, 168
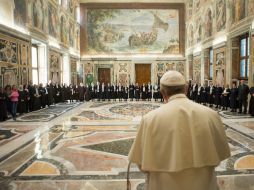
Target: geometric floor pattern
85, 147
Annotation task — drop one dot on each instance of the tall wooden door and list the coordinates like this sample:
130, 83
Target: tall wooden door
104, 75
143, 73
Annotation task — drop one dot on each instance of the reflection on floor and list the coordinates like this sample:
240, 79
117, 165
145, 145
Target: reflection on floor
85, 147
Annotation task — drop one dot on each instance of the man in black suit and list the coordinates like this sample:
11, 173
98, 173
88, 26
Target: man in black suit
243, 91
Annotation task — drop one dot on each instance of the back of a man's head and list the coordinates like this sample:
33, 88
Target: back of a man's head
172, 83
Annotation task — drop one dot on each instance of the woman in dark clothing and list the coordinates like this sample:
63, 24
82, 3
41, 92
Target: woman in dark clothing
137, 92
225, 98
27, 98
58, 94
251, 106
125, 92
22, 101
3, 107
233, 98
37, 99
42, 93
8, 100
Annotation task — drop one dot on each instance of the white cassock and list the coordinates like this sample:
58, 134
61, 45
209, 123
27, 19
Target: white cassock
180, 144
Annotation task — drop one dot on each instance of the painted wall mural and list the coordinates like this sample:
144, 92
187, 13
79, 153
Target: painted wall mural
15, 55
197, 69
53, 21
64, 31
133, 31
250, 7
8, 51
55, 67
20, 12
208, 23
40, 15
220, 14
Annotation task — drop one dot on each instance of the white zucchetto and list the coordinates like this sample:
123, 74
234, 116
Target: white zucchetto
172, 78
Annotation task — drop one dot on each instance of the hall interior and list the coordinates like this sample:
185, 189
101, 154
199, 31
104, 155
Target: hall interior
84, 145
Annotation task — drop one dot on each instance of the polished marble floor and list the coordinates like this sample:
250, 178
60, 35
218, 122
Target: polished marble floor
85, 147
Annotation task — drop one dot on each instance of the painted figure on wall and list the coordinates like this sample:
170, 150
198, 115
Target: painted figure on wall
78, 39
180, 67
10, 76
239, 10
40, 15
220, 69
250, 7
208, 24
20, 12
220, 14
190, 36
53, 21
24, 54
24, 75
71, 34
190, 8
197, 5
55, 68
71, 6
197, 70
8, 51
64, 33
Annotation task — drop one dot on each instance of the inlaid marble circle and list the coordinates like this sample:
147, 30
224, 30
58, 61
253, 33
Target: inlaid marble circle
133, 109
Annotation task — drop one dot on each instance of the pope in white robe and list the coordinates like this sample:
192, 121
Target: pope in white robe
179, 144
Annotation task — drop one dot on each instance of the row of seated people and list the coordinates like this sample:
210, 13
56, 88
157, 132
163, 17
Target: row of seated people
235, 98
28, 98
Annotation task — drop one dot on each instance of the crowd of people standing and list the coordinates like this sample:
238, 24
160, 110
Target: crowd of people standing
28, 98
224, 98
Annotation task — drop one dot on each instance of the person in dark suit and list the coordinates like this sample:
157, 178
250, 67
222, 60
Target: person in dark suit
131, 92
108, 92
233, 98
243, 91
137, 92
81, 91
194, 92
149, 91
37, 99
58, 93
42, 93
143, 92
199, 94
218, 93
92, 91
27, 95
98, 91
211, 94
156, 92
125, 92
103, 92
21, 102
3, 104
204, 95
189, 89
251, 104
114, 91
31, 90
225, 98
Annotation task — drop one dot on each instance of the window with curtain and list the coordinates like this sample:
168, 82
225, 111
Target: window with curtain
244, 56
